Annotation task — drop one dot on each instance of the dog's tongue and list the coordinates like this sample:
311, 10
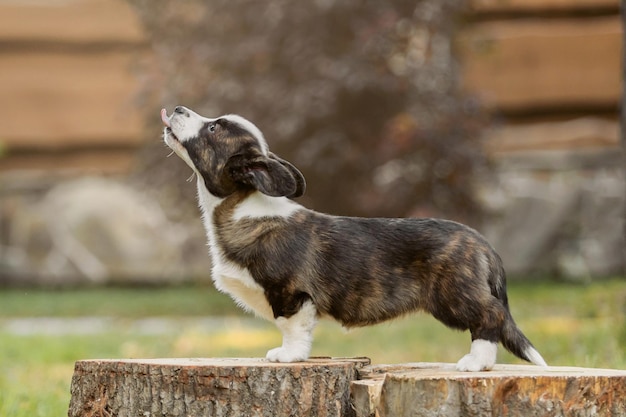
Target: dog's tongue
164, 118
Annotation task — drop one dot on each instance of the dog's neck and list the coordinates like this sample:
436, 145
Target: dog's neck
239, 205
207, 202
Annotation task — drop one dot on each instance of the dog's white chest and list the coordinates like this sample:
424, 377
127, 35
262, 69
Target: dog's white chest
229, 277
239, 284
259, 205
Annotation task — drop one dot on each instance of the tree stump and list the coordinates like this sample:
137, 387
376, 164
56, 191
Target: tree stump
213, 387
431, 389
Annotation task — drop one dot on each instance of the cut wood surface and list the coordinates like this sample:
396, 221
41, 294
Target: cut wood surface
436, 389
213, 387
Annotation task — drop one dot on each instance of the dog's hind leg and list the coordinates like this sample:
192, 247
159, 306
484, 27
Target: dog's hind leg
482, 356
486, 332
297, 333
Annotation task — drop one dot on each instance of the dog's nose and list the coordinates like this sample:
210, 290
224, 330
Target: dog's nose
180, 110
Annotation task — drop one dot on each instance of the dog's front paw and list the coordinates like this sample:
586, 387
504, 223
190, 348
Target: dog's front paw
282, 354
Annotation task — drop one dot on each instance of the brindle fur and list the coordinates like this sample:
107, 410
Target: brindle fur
363, 271
360, 271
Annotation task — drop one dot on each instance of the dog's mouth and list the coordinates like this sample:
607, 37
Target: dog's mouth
165, 118
166, 121
170, 138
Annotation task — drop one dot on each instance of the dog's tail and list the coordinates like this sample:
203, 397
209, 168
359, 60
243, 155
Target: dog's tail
518, 344
511, 336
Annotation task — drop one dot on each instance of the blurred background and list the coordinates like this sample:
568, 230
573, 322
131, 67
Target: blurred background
503, 114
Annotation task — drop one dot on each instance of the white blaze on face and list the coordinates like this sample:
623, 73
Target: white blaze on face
172, 138
250, 128
185, 123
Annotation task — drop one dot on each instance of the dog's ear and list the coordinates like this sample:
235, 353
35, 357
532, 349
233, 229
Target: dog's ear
270, 175
297, 175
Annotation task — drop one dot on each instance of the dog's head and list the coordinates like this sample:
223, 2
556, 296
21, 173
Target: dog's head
230, 154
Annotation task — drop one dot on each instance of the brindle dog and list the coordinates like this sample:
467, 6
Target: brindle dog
293, 265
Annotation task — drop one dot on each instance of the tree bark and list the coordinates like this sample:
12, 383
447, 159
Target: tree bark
212, 387
428, 389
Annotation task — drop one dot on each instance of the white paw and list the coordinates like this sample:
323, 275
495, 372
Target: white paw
282, 354
482, 357
472, 363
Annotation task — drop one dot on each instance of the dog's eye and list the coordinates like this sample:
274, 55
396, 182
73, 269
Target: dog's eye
212, 127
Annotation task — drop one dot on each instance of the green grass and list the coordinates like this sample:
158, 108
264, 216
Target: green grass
571, 325
112, 301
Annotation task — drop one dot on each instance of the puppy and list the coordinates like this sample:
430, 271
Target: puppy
293, 265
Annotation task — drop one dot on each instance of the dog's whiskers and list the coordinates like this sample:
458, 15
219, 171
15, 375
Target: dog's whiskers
190, 179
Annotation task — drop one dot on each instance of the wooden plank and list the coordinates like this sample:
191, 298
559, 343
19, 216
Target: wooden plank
560, 160
538, 6
521, 65
87, 161
586, 132
81, 21
583, 143
54, 100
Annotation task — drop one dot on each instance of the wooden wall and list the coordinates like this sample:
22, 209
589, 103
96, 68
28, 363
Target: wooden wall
67, 78
67, 85
549, 70
550, 73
